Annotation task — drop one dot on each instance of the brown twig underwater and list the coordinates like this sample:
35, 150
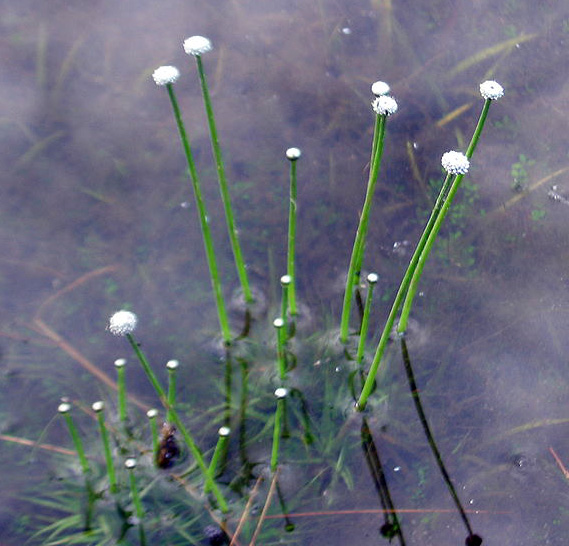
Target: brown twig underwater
265, 508
31, 443
559, 463
246, 511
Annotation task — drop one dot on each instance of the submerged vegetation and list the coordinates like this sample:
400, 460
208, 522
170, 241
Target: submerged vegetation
253, 436
285, 430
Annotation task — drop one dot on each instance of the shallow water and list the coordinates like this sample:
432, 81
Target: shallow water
92, 220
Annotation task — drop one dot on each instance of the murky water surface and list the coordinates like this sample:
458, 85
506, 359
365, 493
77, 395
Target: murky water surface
97, 214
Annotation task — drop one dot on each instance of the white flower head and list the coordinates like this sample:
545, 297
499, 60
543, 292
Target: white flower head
281, 392
64, 407
197, 45
172, 364
165, 75
372, 278
98, 406
286, 280
491, 90
224, 432
455, 163
130, 464
120, 362
380, 88
293, 154
278, 323
152, 413
122, 323
384, 105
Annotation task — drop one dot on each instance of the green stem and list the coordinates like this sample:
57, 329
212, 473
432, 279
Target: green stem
277, 433
204, 222
135, 496
279, 325
359, 243
192, 446
292, 240
154, 431
365, 321
107, 450
172, 371
77, 443
414, 284
220, 449
121, 389
285, 283
233, 232
402, 291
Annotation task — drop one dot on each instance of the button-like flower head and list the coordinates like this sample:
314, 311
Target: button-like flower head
293, 154
384, 105
197, 45
491, 90
122, 323
165, 75
455, 163
380, 88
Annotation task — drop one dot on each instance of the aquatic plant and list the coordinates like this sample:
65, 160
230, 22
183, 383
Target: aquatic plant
167, 76
383, 106
196, 46
293, 155
325, 431
456, 165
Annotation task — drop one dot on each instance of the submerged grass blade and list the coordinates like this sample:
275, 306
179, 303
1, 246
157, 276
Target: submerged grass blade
489, 52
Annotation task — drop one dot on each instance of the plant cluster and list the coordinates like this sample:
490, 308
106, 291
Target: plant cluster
146, 491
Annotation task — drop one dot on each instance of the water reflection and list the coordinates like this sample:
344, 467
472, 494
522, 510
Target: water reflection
93, 181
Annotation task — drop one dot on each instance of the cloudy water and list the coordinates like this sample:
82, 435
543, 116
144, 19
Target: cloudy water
98, 215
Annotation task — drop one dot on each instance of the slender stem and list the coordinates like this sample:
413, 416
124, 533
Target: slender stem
135, 496
292, 240
107, 450
277, 433
220, 449
281, 360
414, 284
192, 446
121, 390
148, 370
172, 371
402, 291
78, 443
233, 231
359, 243
365, 321
153, 431
285, 283
204, 221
